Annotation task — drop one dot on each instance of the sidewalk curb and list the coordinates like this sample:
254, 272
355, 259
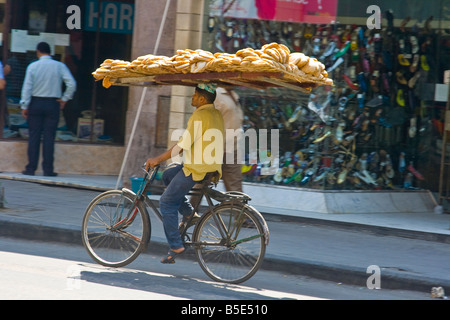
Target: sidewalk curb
372, 229
336, 273
49, 182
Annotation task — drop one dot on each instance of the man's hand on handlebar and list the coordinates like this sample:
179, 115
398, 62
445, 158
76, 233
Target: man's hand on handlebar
151, 163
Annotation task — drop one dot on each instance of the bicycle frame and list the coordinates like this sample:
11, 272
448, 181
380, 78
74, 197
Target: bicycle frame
229, 240
129, 218
203, 191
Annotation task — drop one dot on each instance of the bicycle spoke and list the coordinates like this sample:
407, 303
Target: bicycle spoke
104, 226
228, 250
129, 235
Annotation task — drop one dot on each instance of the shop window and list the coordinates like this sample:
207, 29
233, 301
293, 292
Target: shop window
380, 125
94, 115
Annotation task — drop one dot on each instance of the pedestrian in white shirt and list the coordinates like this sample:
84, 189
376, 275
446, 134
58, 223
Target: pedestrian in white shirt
41, 102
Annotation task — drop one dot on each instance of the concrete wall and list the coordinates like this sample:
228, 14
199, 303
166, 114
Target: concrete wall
70, 158
339, 201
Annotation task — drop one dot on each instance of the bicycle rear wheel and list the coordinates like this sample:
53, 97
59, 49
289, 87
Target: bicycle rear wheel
114, 230
230, 243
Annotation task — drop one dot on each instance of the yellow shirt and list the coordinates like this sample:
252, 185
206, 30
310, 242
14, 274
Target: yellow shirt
202, 143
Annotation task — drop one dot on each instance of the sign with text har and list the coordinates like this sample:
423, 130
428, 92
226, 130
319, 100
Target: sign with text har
115, 17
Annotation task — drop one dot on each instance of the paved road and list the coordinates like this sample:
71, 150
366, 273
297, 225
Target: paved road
43, 270
340, 255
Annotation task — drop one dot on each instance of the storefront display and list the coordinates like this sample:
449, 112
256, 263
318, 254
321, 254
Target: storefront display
378, 127
80, 48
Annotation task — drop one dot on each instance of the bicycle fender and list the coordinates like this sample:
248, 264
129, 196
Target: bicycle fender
131, 193
126, 190
262, 221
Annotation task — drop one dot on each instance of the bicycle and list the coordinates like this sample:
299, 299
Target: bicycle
229, 239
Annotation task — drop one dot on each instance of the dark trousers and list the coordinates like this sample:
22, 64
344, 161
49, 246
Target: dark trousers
43, 118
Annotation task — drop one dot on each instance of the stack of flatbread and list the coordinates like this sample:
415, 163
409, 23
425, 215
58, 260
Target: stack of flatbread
272, 57
111, 68
152, 65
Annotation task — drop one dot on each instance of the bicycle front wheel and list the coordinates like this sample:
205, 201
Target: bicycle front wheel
114, 229
230, 243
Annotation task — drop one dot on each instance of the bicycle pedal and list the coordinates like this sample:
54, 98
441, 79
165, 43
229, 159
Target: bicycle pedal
186, 238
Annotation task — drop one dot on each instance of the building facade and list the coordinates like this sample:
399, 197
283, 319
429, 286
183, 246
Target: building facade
380, 127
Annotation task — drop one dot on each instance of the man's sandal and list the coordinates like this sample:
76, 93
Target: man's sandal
171, 256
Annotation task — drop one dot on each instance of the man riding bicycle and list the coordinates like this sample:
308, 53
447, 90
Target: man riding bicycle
202, 148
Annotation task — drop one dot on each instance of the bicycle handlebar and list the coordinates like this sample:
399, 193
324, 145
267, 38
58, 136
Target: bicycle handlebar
157, 167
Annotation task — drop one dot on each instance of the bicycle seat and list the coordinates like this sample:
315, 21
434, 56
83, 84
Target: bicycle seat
227, 196
211, 177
